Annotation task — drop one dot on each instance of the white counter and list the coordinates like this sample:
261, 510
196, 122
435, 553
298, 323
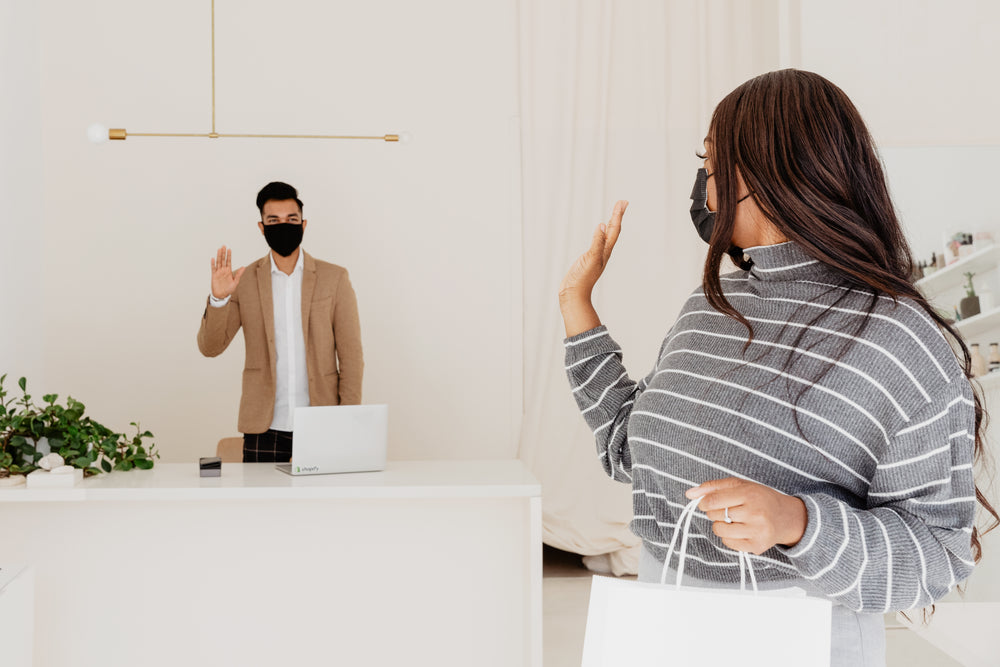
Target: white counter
260, 481
426, 563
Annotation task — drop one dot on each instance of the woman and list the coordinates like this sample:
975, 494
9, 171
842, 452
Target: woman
810, 399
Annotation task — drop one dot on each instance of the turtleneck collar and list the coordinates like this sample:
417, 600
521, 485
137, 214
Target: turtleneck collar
783, 261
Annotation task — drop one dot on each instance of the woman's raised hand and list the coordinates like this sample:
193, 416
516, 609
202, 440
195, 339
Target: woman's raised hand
224, 279
583, 275
578, 284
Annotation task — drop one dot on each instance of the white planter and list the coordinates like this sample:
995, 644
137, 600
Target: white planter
43, 479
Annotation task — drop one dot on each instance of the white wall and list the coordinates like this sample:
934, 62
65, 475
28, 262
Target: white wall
22, 257
922, 72
424, 228
941, 190
923, 75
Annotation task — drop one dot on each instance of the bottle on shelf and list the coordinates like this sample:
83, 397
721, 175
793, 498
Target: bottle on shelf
979, 367
994, 360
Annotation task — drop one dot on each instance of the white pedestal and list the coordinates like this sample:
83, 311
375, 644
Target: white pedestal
17, 615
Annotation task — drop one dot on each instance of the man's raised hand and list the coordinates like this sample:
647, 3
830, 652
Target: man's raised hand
224, 279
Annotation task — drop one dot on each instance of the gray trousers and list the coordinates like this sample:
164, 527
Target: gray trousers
856, 640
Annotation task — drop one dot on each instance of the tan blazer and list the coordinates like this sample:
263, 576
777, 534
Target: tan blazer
330, 326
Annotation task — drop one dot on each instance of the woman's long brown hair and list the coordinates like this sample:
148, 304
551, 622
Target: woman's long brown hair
808, 160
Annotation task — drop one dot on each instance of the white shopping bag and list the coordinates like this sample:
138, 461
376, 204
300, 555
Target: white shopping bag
632, 623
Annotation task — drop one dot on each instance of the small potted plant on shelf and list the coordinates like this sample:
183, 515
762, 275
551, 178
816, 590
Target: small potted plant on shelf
969, 306
52, 435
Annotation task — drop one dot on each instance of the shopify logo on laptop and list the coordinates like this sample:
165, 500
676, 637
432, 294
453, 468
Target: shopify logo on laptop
307, 469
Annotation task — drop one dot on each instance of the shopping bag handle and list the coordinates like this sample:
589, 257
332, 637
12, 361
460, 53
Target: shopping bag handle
682, 529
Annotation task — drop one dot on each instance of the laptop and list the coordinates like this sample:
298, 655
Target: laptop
338, 438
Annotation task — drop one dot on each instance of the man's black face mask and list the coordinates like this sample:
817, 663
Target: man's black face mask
284, 237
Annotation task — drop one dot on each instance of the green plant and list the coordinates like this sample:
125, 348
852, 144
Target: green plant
969, 289
81, 441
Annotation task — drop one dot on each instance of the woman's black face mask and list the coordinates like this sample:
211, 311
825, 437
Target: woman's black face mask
703, 219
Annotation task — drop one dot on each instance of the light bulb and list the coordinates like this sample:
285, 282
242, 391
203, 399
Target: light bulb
97, 133
404, 137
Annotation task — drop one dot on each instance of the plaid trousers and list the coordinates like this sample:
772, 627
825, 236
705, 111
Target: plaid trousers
268, 447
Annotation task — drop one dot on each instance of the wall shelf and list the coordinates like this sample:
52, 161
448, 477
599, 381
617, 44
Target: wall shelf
983, 328
952, 275
977, 325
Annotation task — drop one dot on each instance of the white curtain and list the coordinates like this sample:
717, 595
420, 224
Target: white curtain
615, 101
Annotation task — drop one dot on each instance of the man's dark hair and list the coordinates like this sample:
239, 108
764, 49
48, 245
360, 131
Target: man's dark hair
277, 191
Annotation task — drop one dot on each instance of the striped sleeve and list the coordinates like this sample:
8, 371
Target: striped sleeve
911, 544
605, 394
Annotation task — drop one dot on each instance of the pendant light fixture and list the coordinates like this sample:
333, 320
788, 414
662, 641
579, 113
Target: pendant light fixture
99, 133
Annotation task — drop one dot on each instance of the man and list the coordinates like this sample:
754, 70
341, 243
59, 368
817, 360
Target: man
300, 325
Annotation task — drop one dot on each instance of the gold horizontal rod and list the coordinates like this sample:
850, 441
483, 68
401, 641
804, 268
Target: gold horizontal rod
163, 134
121, 134
386, 137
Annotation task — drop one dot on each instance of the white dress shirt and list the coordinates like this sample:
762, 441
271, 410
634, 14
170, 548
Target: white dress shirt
289, 342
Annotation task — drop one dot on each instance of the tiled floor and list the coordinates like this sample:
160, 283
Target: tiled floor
566, 594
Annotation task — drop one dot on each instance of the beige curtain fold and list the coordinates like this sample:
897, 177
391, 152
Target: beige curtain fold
615, 100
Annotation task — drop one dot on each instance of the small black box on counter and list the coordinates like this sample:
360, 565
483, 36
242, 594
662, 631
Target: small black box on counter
210, 466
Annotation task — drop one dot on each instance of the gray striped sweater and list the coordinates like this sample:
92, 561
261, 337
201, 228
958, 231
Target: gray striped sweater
879, 449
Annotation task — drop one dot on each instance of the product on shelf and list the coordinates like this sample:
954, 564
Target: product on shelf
994, 358
979, 366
